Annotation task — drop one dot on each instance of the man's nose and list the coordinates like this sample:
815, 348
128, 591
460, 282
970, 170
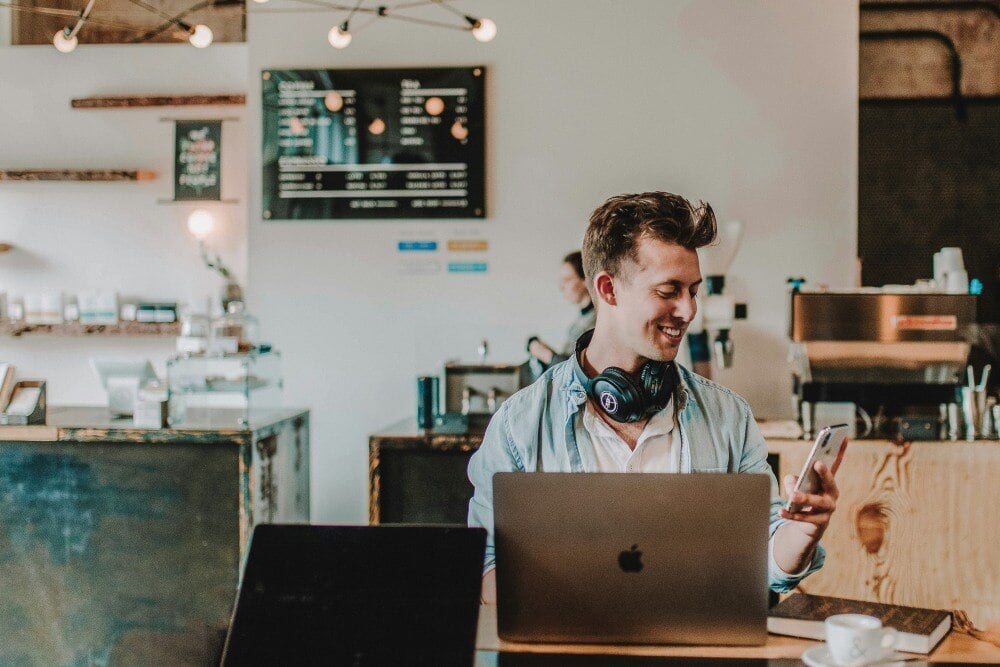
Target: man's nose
685, 308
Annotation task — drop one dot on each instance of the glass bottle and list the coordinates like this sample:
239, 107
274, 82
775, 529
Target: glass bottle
235, 331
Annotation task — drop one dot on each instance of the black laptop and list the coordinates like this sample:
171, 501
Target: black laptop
358, 595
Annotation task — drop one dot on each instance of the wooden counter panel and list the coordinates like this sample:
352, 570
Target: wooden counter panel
917, 524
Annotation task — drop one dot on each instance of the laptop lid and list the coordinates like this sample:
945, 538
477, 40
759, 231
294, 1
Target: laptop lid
632, 558
358, 595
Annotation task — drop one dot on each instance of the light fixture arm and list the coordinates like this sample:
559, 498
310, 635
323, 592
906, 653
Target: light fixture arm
70, 33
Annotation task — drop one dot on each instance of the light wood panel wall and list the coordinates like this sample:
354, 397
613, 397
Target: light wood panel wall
917, 524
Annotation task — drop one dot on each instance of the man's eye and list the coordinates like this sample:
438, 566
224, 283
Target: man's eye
666, 295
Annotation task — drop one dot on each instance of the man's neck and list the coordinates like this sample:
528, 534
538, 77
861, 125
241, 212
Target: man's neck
602, 352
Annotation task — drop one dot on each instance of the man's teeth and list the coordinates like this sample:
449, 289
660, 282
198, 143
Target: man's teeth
670, 331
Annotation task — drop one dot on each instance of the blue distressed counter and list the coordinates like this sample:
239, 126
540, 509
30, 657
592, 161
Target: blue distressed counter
121, 545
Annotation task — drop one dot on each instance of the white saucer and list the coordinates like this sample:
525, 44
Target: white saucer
819, 656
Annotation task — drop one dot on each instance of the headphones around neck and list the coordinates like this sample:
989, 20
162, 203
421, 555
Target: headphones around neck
625, 398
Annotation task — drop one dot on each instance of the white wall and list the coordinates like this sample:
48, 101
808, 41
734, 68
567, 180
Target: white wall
113, 236
749, 105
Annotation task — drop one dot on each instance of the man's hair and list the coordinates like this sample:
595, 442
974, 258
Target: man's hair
575, 259
617, 226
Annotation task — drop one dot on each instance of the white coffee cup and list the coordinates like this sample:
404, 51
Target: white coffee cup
951, 259
957, 282
856, 639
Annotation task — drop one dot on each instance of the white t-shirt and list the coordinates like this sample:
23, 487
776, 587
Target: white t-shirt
655, 450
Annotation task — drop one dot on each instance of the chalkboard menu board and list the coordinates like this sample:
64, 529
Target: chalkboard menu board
374, 143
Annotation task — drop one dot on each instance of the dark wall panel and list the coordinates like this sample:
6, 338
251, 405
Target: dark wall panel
928, 180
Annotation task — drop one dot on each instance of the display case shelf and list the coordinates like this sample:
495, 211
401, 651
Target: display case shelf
20, 328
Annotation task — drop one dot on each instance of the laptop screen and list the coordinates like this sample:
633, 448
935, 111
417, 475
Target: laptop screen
357, 595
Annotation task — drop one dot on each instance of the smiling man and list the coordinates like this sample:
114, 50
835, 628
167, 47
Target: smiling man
621, 404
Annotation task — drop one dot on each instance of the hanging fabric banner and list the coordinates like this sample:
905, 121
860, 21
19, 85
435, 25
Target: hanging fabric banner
197, 152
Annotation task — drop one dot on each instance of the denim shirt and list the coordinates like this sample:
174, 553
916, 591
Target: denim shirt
717, 434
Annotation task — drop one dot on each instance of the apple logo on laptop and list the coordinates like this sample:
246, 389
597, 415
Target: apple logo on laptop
631, 560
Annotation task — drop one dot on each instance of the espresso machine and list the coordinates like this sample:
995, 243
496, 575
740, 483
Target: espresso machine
892, 361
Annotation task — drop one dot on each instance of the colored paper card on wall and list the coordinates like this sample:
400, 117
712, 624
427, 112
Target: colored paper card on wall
419, 267
466, 267
468, 245
417, 246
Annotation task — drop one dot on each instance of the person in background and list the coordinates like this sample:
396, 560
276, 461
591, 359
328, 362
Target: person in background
574, 289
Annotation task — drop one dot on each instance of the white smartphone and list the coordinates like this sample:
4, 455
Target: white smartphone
830, 445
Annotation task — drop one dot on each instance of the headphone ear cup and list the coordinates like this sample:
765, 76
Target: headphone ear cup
658, 381
619, 395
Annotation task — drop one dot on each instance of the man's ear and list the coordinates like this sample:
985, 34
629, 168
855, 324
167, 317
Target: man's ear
604, 287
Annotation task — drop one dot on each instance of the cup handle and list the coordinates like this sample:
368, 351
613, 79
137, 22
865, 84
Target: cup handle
889, 639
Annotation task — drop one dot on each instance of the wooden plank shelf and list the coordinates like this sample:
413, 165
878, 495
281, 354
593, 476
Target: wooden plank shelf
134, 101
76, 175
20, 328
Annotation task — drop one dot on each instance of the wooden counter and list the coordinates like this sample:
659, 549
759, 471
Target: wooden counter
917, 524
122, 545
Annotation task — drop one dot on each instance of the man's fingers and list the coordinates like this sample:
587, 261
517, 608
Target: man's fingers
826, 477
805, 517
816, 502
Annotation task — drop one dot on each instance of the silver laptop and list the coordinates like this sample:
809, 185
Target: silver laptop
632, 558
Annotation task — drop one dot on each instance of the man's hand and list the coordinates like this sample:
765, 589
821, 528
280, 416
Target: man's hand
795, 542
540, 351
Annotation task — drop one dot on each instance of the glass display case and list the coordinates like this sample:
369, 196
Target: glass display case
228, 390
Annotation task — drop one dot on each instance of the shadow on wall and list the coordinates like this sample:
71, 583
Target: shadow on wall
20, 259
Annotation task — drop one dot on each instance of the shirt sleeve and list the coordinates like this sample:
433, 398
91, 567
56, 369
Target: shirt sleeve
495, 454
754, 460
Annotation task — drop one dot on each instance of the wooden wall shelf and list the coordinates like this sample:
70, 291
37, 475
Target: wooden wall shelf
20, 328
76, 175
157, 101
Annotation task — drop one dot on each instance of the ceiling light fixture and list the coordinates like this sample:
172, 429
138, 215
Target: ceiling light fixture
200, 35
65, 40
340, 36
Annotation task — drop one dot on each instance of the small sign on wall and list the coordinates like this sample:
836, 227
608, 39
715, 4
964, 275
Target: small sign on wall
197, 152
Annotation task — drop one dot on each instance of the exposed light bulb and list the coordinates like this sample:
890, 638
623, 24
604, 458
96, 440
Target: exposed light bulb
201, 36
339, 36
484, 30
200, 223
63, 43
377, 126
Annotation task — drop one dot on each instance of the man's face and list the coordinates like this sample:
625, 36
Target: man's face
655, 299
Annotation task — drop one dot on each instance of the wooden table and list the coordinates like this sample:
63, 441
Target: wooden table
955, 647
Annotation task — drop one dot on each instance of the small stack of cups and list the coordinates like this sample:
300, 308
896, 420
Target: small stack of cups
949, 271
